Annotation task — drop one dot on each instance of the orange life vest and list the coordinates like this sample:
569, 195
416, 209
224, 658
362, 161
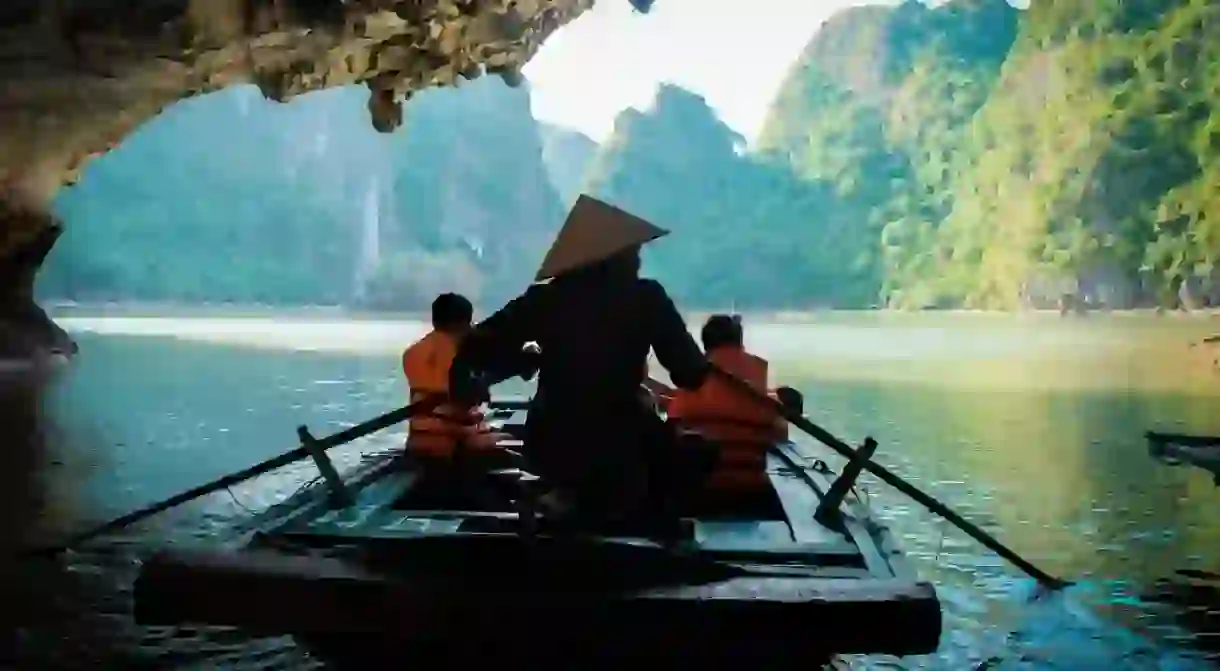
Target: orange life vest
439, 433
742, 427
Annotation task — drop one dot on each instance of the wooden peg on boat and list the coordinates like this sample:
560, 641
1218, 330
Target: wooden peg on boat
527, 506
338, 495
828, 508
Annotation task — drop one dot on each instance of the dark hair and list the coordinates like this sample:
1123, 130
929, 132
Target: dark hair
451, 310
722, 330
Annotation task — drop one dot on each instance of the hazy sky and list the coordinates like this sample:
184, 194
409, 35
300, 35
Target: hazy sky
733, 52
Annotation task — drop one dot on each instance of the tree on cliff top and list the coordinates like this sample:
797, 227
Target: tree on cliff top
1014, 155
746, 232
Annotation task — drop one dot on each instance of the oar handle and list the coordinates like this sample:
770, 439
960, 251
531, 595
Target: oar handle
888, 477
345, 436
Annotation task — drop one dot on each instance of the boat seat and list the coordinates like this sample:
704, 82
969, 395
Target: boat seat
659, 529
515, 476
513, 446
445, 484
514, 429
515, 484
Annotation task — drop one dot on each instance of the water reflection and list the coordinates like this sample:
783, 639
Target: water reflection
167, 414
1062, 478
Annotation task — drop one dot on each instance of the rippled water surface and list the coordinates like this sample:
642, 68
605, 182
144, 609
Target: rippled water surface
1031, 427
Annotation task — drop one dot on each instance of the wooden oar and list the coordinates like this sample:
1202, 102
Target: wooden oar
886, 476
1185, 440
345, 436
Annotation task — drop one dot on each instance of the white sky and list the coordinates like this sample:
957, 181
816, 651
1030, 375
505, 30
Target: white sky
733, 52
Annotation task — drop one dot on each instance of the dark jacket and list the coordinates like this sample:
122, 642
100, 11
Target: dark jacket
587, 422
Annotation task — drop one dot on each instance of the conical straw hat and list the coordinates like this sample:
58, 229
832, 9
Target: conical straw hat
594, 232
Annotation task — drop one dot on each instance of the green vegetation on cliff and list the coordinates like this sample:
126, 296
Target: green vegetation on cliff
1011, 156
746, 231
230, 197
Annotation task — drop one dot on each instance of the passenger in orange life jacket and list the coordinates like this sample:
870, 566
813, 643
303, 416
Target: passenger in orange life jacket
740, 425
450, 427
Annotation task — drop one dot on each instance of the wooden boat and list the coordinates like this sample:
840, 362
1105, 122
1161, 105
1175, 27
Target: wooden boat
1176, 448
1193, 596
374, 568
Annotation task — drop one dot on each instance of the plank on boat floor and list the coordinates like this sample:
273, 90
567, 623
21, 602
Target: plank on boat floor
385, 491
385, 524
799, 502
502, 418
373, 522
742, 536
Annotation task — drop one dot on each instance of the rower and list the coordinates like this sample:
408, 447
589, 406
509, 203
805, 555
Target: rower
450, 430
589, 435
740, 426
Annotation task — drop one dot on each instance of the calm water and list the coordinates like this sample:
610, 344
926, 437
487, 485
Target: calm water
1031, 427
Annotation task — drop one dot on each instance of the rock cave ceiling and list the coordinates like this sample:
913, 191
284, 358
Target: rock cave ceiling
79, 75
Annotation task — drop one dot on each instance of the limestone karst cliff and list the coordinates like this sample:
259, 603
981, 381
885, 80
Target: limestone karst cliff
231, 198
567, 154
1013, 158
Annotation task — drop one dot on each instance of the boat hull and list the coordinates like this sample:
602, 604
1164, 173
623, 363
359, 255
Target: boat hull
1202, 452
342, 610
363, 652
419, 561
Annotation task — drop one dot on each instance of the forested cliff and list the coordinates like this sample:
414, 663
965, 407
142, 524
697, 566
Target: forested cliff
1011, 156
230, 197
747, 232
566, 154
969, 155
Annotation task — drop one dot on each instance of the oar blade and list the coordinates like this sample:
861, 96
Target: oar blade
346, 436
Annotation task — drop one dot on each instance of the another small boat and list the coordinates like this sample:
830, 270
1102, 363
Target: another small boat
373, 570
1176, 448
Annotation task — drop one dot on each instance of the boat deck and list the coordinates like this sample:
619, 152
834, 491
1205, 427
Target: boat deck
375, 519
786, 532
731, 580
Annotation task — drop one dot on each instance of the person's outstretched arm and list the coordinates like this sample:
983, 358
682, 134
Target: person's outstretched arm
675, 347
492, 351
